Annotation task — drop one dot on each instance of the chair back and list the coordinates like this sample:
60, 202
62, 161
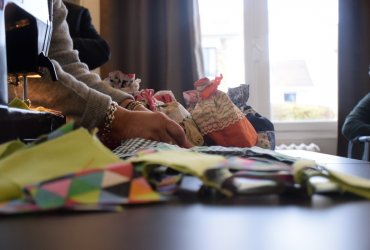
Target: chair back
363, 140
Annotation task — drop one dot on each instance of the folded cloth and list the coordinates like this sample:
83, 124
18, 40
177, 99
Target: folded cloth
61, 152
154, 174
146, 97
253, 175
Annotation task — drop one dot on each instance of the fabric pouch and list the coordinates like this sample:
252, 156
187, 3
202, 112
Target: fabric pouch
218, 119
146, 97
174, 110
125, 82
263, 126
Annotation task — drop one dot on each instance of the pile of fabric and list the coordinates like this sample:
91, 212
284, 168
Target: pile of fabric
70, 169
211, 117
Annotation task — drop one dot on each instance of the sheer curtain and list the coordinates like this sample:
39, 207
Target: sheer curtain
158, 40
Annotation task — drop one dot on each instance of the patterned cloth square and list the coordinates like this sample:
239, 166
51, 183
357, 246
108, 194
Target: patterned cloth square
132, 147
157, 170
92, 189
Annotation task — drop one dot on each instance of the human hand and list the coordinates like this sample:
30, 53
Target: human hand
141, 107
149, 125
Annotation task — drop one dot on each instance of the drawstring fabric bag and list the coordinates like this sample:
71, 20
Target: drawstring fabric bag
263, 126
218, 119
174, 110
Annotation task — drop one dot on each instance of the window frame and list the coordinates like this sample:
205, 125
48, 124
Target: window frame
256, 52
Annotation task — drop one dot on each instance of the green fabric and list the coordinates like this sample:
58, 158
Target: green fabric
197, 164
69, 153
18, 103
22, 165
305, 170
10, 147
183, 161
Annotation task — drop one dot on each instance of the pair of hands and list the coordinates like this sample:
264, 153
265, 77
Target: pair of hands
143, 123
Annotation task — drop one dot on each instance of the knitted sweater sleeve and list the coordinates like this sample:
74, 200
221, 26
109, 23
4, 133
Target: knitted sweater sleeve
78, 93
357, 123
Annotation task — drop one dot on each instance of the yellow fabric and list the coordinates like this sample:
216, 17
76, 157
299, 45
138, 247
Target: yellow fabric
10, 147
74, 151
184, 161
18, 103
340, 181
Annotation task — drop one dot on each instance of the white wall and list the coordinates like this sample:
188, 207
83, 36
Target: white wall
322, 134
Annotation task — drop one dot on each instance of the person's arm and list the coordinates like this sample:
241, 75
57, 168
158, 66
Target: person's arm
78, 94
357, 123
83, 96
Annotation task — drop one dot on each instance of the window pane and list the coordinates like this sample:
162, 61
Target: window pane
303, 38
222, 40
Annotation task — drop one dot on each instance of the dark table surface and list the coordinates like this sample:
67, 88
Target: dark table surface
249, 222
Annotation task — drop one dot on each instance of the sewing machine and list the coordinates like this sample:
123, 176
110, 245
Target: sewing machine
25, 33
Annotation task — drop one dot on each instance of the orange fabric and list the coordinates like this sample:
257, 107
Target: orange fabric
211, 86
218, 119
239, 134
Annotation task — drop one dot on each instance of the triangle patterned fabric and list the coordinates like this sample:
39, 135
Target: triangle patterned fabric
115, 185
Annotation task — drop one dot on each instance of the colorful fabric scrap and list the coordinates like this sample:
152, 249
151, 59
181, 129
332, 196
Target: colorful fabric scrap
125, 82
117, 184
157, 175
218, 172
54, 155
94, 189
258, 170
134, 146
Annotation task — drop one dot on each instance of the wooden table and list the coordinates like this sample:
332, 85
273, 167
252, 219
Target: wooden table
254, 222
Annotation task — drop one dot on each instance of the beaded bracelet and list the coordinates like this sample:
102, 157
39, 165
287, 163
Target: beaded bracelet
133, 105
106, 130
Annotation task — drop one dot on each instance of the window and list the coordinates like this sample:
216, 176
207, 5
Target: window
303, 57
290, 97
287, 51
223, 40
210, 60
